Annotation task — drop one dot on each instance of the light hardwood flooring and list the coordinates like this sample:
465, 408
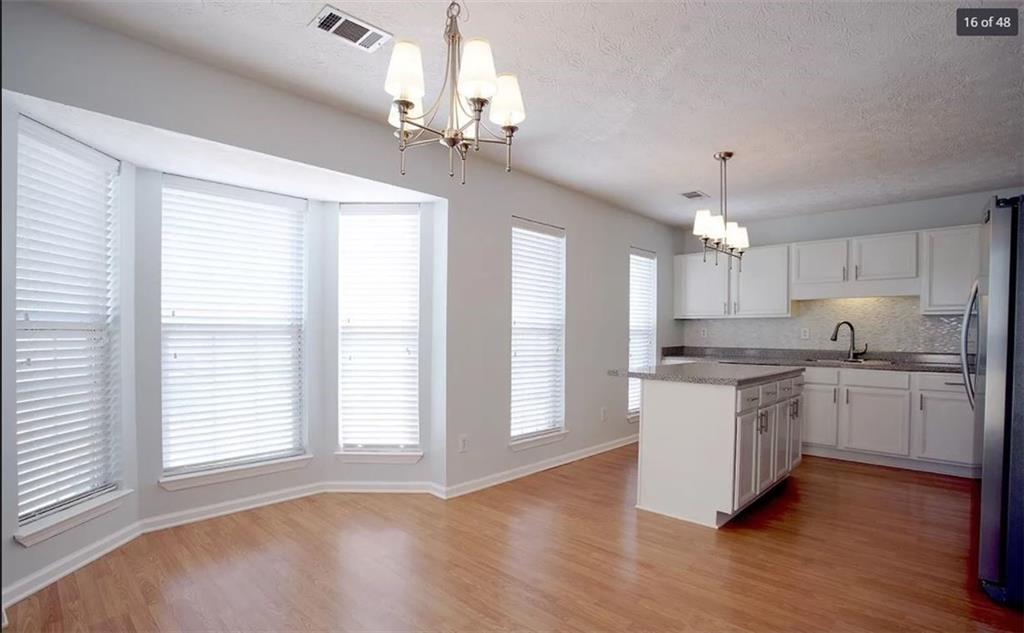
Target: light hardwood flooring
839, 547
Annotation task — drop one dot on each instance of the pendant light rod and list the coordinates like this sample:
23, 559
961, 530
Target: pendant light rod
716, 233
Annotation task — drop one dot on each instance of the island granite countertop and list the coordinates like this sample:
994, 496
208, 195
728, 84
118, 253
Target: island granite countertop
711, 373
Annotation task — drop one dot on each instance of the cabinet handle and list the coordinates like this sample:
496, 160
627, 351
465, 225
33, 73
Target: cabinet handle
725, 307
856, 271
920, 402
834, 390
844, 273
735, 307
954, 384
847, 396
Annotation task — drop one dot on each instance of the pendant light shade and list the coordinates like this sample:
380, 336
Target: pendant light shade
477, 79
405, 73
716, 228
700, 222
742, 239
732, 230
507, 108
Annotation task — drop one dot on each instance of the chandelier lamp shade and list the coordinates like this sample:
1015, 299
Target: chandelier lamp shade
455, 118
716, 232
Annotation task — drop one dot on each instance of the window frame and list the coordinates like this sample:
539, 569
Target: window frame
559, 429
225, 470
633, 414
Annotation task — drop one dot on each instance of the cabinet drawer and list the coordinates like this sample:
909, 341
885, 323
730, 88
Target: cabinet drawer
940, 382
748, 398
874, 378
821, 375
769, 393
786, 389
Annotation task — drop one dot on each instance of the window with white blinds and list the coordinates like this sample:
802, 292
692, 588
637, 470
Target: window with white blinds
538, 328
67, 374
643, 318
378, 319
232, 320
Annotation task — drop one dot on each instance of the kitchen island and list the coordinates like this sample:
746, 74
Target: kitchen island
715, 437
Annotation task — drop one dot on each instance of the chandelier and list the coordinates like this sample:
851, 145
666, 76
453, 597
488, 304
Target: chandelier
716, 232
469, 85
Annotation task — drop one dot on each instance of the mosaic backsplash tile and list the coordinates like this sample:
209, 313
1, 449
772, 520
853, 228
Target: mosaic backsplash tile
891, 324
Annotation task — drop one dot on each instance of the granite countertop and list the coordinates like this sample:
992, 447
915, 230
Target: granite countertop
711, 373
892, 361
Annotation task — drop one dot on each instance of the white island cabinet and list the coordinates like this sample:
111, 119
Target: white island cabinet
715, 437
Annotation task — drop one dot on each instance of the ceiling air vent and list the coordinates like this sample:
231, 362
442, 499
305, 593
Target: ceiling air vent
694, 195
358, 33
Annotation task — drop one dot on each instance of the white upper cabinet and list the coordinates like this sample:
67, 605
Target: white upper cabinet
869, 266
760, 287
880, 257
950, 262
820, 262
701, 287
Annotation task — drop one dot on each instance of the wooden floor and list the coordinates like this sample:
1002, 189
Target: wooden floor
839, 547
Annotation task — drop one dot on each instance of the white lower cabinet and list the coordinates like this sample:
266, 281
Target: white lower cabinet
747, 434
876, 420
783, 424
943, 428
911, 420
821, 414
766, 448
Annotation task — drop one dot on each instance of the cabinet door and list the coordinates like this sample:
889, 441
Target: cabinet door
760, 284
943, 428
766, 449
783, 422
950, 261
745, 482
821, 414
880, 257
820, 262
796, 433
876, 420
702, 288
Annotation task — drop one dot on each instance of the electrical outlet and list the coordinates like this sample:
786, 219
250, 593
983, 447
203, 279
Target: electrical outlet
604, 414
703, 332
805, 333
463, 443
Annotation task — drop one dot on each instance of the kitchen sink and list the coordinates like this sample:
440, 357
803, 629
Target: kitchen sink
852, 363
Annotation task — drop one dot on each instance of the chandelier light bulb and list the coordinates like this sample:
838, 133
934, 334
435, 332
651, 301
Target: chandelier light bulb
415, 113
477, 79
700, 222
507, 108
404, 80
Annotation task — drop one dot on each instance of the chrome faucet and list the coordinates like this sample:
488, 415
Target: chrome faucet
853, 356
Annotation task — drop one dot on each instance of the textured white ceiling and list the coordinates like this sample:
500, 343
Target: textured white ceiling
827, 105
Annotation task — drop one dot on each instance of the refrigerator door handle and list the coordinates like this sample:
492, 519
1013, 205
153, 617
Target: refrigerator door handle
965, 329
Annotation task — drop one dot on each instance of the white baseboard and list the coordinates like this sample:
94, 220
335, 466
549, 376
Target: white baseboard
970, 472
473, 485
58, 569
66, 565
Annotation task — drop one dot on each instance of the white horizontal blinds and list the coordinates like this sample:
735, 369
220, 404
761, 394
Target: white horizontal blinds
643, 317
378, 317
232, 325
67, 375
538, 328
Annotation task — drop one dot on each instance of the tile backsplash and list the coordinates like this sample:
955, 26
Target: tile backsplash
891, 324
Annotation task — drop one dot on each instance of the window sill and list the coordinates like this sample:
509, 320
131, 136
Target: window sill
538, 440
379, 457
231, 473
50, 526
633, 419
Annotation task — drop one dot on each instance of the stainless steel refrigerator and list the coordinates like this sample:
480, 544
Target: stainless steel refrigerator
994, 379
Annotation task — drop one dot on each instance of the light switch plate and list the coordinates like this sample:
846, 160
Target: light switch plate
805, 333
